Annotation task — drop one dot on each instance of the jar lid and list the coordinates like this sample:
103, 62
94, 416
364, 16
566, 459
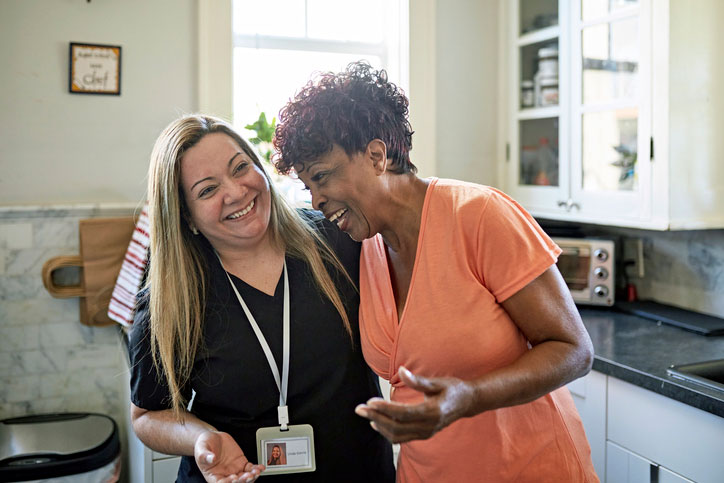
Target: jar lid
526, 83
548, 81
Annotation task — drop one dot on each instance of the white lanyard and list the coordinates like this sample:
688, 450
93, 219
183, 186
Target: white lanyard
282, 411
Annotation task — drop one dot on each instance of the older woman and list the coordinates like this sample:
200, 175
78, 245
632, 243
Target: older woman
462, 308
248, 309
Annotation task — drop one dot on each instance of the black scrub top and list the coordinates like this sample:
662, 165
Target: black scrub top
235, 388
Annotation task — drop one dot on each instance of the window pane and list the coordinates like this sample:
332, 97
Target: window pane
346, 20
539, 152
537, 14
610, 61
283, 18
265, 79
592, 9
610, 149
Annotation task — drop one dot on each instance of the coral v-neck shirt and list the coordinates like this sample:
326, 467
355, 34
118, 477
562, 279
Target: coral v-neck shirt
476, 248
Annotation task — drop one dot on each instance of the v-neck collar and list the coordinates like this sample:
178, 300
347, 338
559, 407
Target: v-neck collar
278, 289
381, 245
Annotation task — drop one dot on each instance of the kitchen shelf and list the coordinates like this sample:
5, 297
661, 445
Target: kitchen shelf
542, 35
538, 112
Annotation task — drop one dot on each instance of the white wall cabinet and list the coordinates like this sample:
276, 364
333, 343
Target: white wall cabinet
624, 127
635, 433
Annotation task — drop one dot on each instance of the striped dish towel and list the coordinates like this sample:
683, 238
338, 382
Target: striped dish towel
123, 300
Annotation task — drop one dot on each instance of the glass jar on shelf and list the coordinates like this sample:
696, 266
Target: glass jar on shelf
548, 91
527, 94
546, 77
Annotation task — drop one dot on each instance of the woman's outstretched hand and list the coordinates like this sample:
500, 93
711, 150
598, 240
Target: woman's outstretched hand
447, 399
222, 461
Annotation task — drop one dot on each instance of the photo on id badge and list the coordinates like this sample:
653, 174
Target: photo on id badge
283, 452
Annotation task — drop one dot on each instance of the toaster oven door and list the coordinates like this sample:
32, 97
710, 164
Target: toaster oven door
574, 263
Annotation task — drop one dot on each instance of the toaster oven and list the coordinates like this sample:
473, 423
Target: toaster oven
587, 266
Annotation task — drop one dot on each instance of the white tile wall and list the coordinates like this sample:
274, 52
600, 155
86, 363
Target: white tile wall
16, 236
49, 361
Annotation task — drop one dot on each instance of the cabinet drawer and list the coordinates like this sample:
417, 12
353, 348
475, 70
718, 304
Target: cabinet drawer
623, 466
155, 455
669, 433
166, 470
666, 476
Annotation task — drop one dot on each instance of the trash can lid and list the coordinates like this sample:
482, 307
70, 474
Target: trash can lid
59, 434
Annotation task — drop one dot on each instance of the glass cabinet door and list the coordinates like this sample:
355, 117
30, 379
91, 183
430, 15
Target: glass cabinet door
536, 161
611, 136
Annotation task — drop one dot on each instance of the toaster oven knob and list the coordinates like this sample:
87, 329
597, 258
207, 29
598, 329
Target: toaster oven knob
600, 290
600, 254
600, 273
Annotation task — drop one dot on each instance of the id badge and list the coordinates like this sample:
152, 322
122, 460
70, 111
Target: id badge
290, 451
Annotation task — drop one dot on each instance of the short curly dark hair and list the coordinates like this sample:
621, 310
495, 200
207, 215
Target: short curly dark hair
349, 109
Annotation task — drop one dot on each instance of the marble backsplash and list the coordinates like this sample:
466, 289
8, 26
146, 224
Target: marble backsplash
685, 269
49, 361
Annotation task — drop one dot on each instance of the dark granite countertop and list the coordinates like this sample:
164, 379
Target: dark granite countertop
639, 351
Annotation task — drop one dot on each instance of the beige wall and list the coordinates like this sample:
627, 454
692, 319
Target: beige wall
466, 87
60, 148
454, 88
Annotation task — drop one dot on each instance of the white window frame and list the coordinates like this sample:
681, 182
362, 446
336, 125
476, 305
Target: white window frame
417, 61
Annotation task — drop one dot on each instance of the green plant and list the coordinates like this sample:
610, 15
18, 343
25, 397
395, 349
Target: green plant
264, 135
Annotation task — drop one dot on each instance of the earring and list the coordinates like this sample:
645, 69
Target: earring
194, 230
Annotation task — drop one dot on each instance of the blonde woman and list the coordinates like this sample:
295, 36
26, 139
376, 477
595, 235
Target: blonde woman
226, 254
277, 456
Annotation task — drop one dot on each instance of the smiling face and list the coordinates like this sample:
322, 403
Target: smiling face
227, 195
276, 452
343, 188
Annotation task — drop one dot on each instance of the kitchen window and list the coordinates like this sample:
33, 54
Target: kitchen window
279, 44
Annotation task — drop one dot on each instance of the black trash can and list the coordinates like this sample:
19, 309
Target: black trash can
77, 447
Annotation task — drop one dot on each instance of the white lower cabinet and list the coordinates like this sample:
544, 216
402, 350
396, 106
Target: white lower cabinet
160, 468
148, 466
637, 435
684, 441
589, 395
666, 476
623, 466
626, 467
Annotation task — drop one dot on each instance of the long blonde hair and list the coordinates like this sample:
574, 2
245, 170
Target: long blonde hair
177, 271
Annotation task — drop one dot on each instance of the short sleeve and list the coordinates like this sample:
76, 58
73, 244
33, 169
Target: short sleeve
513, 249
148, 388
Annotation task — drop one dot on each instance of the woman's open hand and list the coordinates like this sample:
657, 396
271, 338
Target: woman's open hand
222, 461
447, 399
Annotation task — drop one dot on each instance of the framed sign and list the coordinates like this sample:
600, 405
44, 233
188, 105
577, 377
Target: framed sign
94, 69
